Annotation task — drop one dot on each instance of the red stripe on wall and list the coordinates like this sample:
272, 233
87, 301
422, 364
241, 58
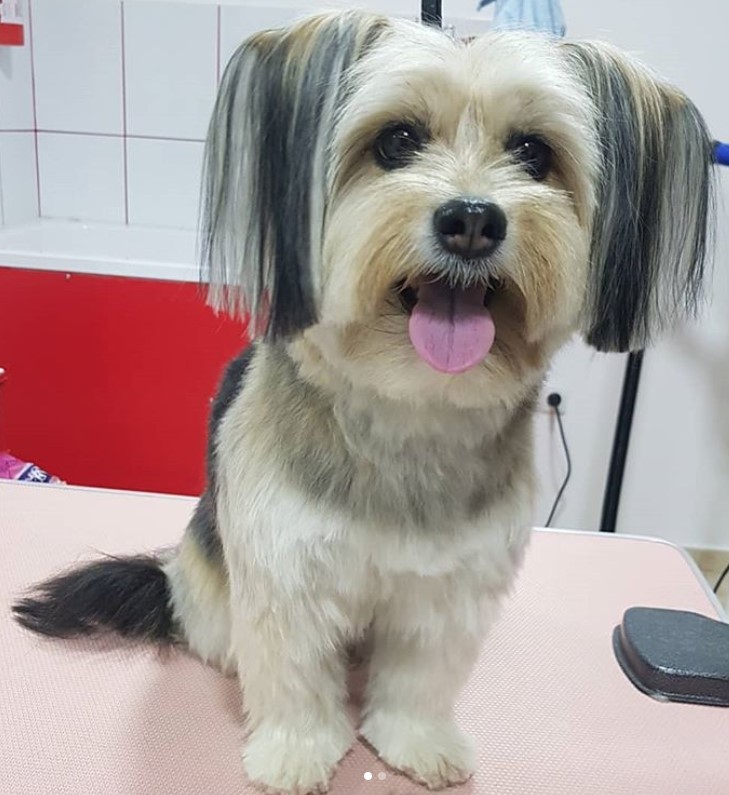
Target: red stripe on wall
109, 380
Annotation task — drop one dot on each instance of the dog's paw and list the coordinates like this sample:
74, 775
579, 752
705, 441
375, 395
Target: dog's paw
435, 754
280, 760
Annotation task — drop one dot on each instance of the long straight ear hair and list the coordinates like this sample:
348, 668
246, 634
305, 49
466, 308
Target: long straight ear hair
265, 168
654, 202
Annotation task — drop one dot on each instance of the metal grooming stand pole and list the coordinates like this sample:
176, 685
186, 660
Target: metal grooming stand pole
621, 440
431, 12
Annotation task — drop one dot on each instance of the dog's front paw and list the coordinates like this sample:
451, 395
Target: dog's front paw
281, 760
434, 754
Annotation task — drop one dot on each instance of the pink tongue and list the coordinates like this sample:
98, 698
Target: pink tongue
451, 329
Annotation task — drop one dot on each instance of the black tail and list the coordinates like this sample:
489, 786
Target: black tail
126, 595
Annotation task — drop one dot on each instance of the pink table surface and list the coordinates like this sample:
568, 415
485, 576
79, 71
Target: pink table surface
548, 705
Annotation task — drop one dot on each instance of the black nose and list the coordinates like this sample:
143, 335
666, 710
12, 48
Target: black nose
469, 227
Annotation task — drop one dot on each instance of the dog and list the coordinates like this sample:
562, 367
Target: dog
412, 226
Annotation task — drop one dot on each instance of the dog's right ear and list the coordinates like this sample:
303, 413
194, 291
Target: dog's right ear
266, 165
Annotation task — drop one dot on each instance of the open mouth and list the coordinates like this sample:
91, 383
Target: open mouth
408, 295
450, 327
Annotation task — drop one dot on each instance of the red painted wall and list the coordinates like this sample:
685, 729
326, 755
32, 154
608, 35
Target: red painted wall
109, 380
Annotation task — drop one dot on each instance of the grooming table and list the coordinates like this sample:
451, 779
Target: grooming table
548, 705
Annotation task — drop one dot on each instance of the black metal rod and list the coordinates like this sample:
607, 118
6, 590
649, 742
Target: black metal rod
431, 12
614, 485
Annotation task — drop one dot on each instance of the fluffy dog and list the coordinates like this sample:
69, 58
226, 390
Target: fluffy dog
413, 226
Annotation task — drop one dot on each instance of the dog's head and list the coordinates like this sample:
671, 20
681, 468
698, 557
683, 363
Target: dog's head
437, 217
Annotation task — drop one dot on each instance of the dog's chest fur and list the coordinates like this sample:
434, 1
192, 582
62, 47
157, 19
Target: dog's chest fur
419, 469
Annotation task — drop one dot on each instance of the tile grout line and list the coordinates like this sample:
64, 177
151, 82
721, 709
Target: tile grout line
133, 137
35, 109
125, 156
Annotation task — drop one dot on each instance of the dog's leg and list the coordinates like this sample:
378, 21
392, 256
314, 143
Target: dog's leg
427, 639
292, 666
200, 599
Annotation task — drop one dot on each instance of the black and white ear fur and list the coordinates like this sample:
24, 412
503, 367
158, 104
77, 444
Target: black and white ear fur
654, 202
265, 170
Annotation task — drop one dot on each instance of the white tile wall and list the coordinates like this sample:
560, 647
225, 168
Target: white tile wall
171, 69
239, 22
408, 8
16, 89
164, 182
127, 77
18, 184
81, 177
78, 72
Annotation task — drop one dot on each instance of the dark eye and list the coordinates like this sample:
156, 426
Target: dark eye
533, 153
396, 146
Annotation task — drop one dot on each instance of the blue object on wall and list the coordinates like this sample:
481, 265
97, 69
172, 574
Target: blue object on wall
544, 15
721, 153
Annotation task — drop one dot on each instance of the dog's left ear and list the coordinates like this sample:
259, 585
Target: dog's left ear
265, 170
654, 200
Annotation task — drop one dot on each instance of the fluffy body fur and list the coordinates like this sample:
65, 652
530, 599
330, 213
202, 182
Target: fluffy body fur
355, 493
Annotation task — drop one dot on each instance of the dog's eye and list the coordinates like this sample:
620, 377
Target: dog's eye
533, 153
395, 147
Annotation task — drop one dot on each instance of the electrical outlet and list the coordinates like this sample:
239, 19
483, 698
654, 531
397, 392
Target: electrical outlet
544, 407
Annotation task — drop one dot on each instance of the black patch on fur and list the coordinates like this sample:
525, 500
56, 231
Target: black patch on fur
231, 385
291, 113
204, 525
125, 595
648, 249
626, 267
285, 162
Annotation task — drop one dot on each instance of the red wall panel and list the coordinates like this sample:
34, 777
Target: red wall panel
109, 380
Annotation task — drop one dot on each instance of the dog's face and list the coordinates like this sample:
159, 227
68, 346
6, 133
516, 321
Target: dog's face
436, 217
457, 239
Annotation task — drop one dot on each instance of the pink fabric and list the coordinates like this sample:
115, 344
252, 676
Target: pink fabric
12, 468
550, 709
